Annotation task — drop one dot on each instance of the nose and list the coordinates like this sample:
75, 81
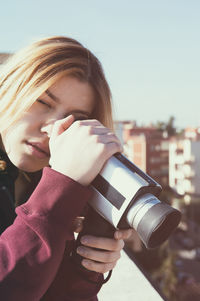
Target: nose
47, 128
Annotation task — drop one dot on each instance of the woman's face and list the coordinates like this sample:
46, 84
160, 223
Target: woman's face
27, 141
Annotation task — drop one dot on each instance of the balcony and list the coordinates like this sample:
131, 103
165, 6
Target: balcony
179, 151
190, 160
190, 175
188, 171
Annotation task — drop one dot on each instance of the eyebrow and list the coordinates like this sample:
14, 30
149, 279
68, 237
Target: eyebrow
86, 114
52, 96
56, 99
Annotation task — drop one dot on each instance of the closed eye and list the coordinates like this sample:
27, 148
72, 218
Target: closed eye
44, 103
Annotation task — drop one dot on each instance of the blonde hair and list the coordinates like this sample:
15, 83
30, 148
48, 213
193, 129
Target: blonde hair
31, 71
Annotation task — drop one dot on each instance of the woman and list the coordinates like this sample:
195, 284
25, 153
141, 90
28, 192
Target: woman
55, 117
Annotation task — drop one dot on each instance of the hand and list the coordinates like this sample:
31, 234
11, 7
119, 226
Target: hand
105, 258
79, 149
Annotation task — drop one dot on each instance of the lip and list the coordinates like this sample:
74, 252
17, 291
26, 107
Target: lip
38, 149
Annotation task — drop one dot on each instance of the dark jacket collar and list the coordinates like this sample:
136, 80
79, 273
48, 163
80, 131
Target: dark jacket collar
8, 172
6, 166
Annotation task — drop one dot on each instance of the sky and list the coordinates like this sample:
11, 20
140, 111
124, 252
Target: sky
149, 49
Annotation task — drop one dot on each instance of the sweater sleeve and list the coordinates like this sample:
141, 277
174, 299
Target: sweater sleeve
73, 283
32, 248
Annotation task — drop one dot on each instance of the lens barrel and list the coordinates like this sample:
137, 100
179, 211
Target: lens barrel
153, 220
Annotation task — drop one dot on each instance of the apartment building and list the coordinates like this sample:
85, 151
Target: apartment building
148, 148
171, 162
184, 164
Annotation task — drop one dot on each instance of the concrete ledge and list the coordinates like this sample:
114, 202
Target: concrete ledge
128, 283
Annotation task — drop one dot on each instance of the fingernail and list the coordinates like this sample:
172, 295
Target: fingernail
80, 250
118, 235
85, 262
84, 240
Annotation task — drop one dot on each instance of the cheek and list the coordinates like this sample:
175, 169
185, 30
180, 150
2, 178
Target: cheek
14, 135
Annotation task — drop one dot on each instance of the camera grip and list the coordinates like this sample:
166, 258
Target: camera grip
94, 224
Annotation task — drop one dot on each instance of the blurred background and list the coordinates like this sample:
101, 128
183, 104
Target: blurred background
150, 54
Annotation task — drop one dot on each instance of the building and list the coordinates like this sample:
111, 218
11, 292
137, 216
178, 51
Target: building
148, 148
184, 165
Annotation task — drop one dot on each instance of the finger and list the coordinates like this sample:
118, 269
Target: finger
106, 137
88, 122
103, 243
92, 126
111, 149
123, 234
61, 125
97, 266
100, 256
78, 224
98, 130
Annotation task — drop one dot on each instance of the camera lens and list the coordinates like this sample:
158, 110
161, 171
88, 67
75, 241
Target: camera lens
153, 220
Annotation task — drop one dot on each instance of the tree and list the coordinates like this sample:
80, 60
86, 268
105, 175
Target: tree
167, 126
170, 128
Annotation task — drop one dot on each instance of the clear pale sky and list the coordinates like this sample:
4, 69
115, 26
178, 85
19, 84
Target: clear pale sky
150, 49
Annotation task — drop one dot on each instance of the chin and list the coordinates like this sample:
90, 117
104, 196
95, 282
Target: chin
27, 165
30, 167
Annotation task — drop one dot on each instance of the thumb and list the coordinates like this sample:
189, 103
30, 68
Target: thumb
61, 125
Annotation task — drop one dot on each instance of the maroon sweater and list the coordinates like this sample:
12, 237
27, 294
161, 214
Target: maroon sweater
35, 261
